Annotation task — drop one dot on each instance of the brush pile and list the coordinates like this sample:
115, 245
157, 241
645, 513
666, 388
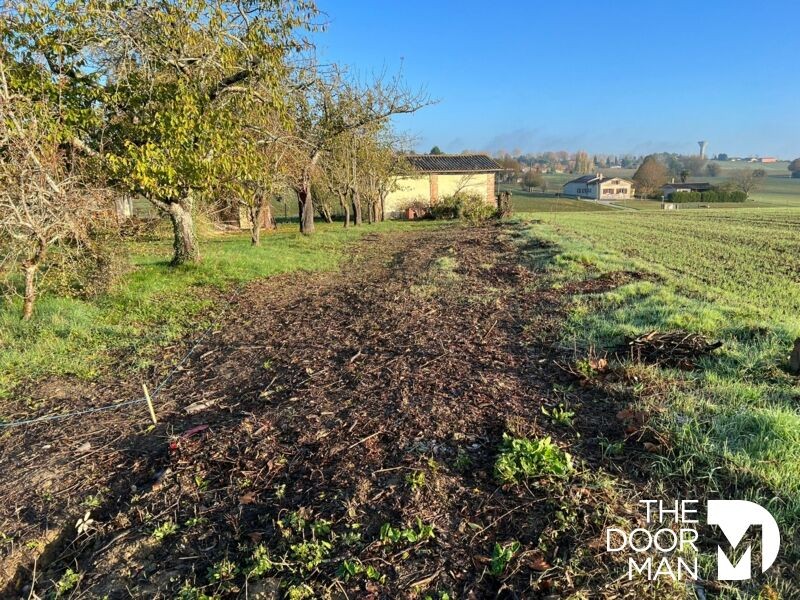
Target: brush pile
673, 349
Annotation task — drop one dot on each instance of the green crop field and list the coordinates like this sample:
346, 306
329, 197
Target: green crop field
731, 276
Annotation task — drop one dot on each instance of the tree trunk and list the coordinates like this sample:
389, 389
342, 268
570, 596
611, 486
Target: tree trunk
305, 205
185, 240
346, 208
255, 214
268, 217
30, 269
357, 208
325, 212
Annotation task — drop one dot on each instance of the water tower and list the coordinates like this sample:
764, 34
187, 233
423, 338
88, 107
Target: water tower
703, 146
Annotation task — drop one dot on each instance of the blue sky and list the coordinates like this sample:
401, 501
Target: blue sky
602, 76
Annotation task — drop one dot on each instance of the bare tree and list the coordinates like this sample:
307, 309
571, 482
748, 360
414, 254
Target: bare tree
324, 108
746, 180
42, 200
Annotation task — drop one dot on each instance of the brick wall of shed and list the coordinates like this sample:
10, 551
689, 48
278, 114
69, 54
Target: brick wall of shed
434, 195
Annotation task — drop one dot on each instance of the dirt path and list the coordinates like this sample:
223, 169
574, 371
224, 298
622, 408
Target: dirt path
333, 405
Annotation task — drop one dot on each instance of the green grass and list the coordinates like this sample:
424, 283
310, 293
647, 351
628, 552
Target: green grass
777, 189
153, 303
731, 275
526, 202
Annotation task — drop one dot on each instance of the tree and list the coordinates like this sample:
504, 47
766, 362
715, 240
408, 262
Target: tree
252, 169
43, 200
436, 150
650, 175
532, 179
794, 168
713, 169
745, 180
694, 165
163, 73
174, 67
327, 106
511, 169
583, 163
722, 157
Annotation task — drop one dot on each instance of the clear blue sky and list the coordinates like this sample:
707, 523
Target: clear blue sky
603, 76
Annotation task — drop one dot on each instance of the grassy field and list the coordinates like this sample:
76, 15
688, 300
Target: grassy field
731, 275
153, 303
524, 201
778, 189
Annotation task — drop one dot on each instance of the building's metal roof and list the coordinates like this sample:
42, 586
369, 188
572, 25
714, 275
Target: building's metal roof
452, 163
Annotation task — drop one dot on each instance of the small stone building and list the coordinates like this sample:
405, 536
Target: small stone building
436, 176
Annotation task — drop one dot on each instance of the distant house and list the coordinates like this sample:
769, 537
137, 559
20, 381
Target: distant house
599, 187
768, 159
436, 176
684, 186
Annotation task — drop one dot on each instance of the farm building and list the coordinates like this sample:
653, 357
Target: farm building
684, 186
437, 176
599, 187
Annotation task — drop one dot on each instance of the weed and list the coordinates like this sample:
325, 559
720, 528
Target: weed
560, 415
223, 571
262, 564
521, 458
321, 528
190, 592
93, 501
410, 535
501, 556
166, 529
416, 480
310, 554
300, 592
610, 448
463, 461
353, 568
67, 582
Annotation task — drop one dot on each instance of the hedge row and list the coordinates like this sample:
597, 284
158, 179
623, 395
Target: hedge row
713, 196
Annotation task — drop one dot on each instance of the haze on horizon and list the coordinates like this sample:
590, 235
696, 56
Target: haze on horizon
606, 77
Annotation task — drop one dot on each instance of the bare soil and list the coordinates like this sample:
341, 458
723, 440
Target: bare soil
322, 407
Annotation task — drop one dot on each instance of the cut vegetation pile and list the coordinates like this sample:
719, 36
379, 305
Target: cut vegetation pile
673, 349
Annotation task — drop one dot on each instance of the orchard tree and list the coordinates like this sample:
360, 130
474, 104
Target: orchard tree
326, 106
172, 71
253, 167
379, 169
339, 174
160, 75
650, 175
794, 168
43, 201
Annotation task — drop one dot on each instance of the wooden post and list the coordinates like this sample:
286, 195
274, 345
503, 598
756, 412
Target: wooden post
150, 404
